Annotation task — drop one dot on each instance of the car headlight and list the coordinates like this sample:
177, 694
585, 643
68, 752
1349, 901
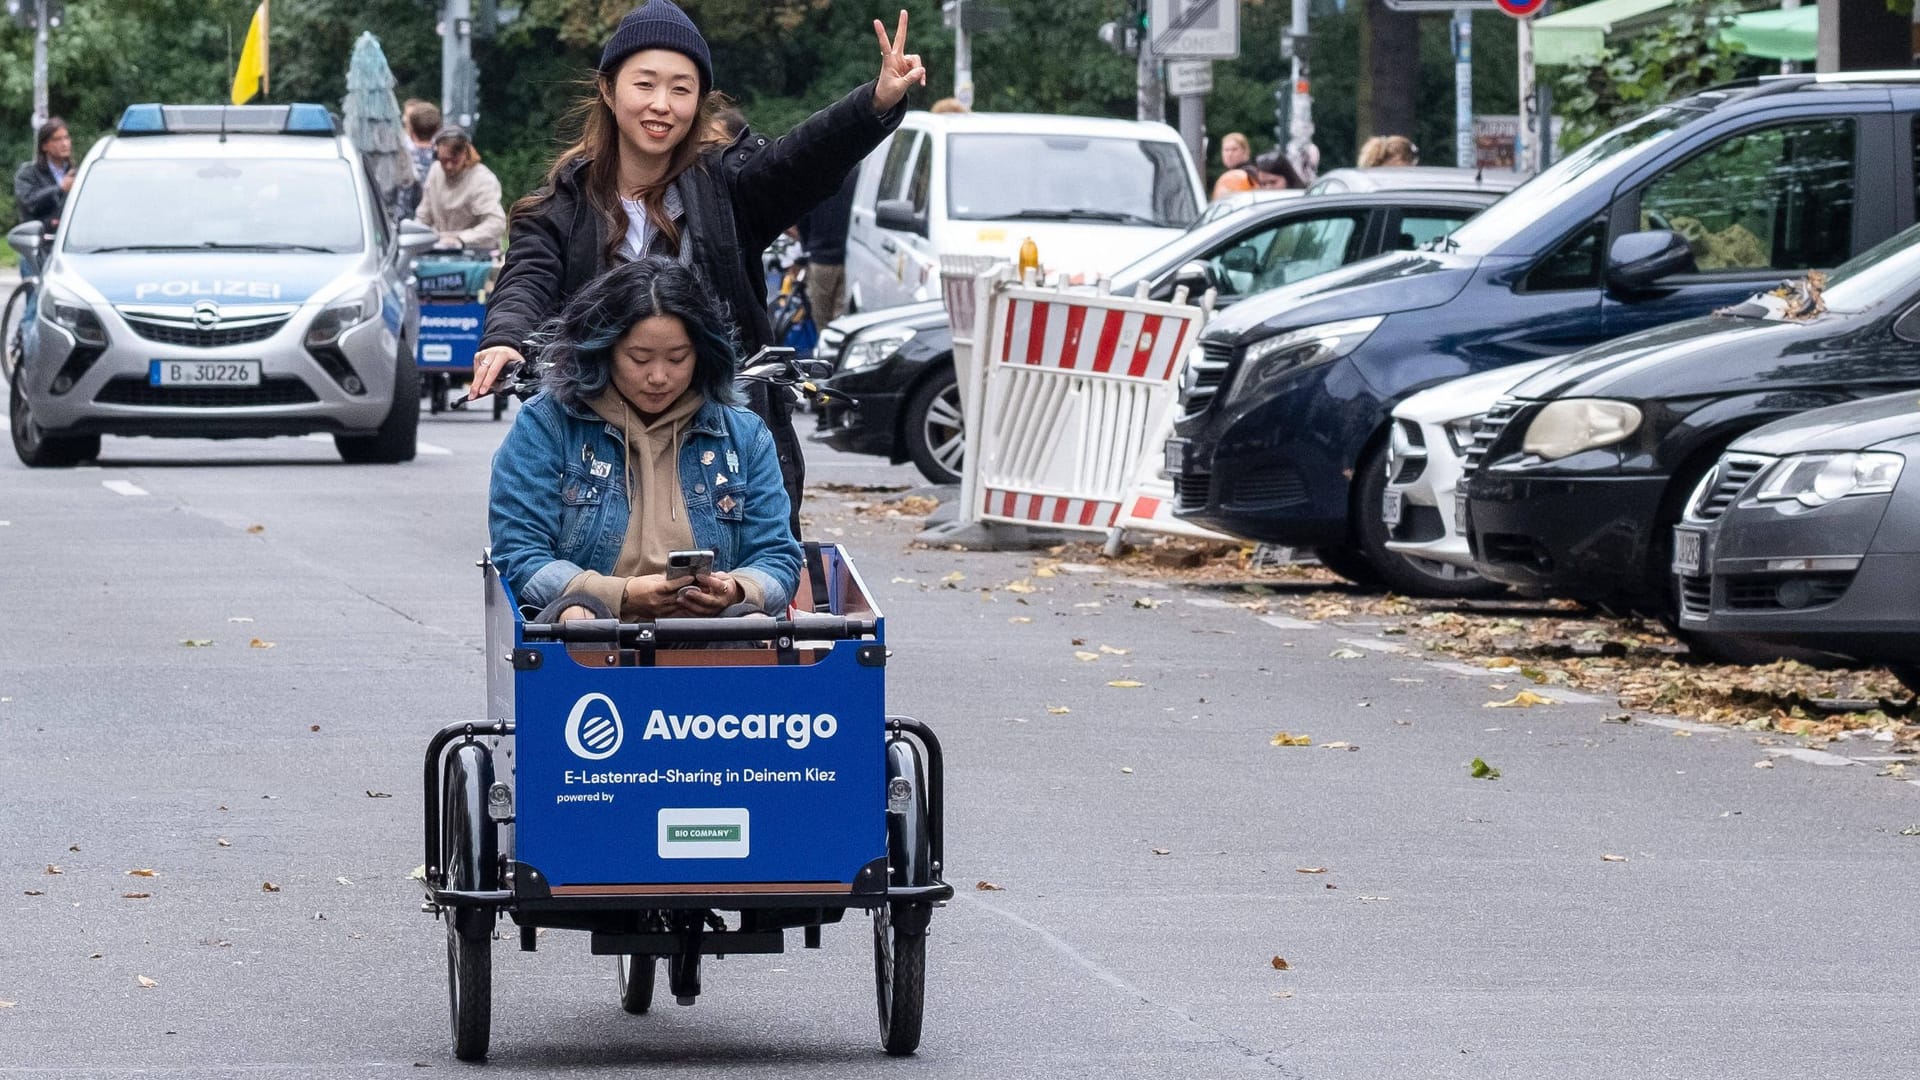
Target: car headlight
869, 349
72, 314
1460, 432
1571, 425
1306, 347
1818, 479
343, 315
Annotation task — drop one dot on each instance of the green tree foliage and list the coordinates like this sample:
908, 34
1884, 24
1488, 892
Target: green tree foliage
1685, 54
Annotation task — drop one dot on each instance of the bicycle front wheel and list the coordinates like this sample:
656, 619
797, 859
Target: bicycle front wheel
13, 329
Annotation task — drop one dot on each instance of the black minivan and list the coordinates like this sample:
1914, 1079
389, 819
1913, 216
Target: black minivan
1692, 207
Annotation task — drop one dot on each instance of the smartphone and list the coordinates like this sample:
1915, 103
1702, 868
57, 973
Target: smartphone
685, 565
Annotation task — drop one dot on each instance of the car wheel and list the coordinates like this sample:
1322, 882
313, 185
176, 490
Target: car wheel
936, 432
1405, 574
35, 447
1908, 674
397, 436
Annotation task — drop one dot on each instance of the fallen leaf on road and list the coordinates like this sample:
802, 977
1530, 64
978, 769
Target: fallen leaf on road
36, 892
1022, 586
1283, 994
1341, 745
313, 727
1617, 718
1525, 699
418, 873
1126, 684
1128, 769
1280, 963
224, 842
1683, 733
1499, 662
1613, 858
372, 794
1078, 641
953, 579
1309, 869
1284, 739
1897, 770
988, 886
1146, 602
1346, 654
8, 1004
1480, 770
1020, 619
1767, 764
1376, 899
143, 873
1911, 830
256, 643
1058, 710
96, 956
343, 881
52, 869
256, 529
1162, 851
146, 983
196, 643
240, 618
136, 896
1084, 656
1111, 651
268, 886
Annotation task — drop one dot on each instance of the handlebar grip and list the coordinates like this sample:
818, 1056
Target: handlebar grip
694, 630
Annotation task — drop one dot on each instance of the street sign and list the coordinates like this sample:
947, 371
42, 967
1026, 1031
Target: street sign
1439, 7
1189, 78
1521, 9
1194, 29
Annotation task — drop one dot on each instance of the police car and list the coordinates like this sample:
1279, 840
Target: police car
221, 272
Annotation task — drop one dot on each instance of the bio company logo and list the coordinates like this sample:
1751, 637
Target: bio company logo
594, 730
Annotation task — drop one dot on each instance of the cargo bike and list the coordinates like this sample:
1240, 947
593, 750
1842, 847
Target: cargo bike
453, 287
686, 788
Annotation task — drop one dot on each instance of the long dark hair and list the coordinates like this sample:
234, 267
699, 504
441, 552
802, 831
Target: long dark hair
598, 144
579, 346
48, 130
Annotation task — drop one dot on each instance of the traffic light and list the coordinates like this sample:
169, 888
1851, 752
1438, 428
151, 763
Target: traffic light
1282, 115
1128, 35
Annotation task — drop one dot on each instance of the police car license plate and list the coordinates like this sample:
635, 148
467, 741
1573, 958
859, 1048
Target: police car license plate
203, 373
1390, 503
1689, 546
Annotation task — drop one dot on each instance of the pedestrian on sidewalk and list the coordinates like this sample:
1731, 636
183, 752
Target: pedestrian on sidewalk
642, 180
40, 186
1387, 151
823, 236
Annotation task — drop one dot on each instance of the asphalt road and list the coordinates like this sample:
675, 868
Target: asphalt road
1147, 843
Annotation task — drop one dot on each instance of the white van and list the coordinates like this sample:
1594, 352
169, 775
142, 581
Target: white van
1094, 194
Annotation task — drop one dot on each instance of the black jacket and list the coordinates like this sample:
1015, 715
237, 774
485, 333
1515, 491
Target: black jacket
823, 229
737, 199
37, 195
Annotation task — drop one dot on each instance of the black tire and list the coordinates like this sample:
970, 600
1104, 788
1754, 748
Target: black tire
398, 434
900, 982
469, 847
1404, 574
1349, 564
1908, 674
35, 447
934, 428
636, 982
13, 330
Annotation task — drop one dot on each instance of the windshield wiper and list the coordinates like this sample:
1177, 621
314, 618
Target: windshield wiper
1038, 214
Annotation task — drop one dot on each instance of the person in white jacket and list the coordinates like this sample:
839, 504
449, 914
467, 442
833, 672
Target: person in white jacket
462, 197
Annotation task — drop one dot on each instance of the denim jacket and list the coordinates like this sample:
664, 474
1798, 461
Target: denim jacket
559, 499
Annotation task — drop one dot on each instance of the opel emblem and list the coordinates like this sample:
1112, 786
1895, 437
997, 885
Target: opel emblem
206, 314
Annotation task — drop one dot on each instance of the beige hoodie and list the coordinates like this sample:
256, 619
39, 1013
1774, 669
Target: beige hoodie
657, 516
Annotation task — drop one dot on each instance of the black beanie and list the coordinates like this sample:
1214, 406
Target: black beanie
658, 24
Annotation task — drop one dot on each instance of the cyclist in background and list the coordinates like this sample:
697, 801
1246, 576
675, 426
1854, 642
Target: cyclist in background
462, 197
40, 186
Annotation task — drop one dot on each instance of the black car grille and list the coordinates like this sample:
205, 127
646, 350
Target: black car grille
193, 337
1721, 486
1487, 431
273, 390
1282, 487
1791, 593
1696, 596
1206, 373
1190, 492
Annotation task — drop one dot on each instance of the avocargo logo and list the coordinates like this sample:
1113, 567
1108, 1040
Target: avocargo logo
797, 729
594, 731
463, 323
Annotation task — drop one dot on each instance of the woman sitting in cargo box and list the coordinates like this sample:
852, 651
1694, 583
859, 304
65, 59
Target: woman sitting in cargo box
634, 449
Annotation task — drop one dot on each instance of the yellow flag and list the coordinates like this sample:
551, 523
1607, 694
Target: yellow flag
251, 77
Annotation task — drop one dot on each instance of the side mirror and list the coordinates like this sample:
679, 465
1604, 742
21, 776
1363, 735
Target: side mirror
1640, 259
416, 239
25, 239
1197, 276
1241, 259
898, 215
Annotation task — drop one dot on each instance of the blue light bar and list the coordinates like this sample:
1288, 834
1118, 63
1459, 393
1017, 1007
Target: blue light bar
143, 120
298, 119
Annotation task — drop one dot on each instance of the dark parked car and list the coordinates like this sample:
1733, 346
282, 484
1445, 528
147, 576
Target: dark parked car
899, 362
1284, 421
1576, 480
1806, 534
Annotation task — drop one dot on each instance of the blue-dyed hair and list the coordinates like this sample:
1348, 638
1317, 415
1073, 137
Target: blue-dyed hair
579, 348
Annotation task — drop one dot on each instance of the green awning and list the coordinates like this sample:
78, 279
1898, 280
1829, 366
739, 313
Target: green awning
1580, 34
1776, 35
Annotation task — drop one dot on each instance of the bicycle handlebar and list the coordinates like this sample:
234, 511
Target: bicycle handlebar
774, 365
675, 631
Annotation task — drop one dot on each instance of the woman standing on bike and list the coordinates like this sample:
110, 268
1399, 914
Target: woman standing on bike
40, 186
643, 180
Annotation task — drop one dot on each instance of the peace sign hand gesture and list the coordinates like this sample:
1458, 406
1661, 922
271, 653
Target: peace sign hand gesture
899, 68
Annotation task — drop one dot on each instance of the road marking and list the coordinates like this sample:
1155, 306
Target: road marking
1210, 602
1810, 756
430, 448
1373, 645
1285, 622
121, 487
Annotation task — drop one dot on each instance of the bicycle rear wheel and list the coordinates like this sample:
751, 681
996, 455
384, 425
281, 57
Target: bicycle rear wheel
13, 328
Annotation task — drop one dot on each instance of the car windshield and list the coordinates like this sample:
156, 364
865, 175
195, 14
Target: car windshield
1597, 163
255, 204
1890, 268
1002, 176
